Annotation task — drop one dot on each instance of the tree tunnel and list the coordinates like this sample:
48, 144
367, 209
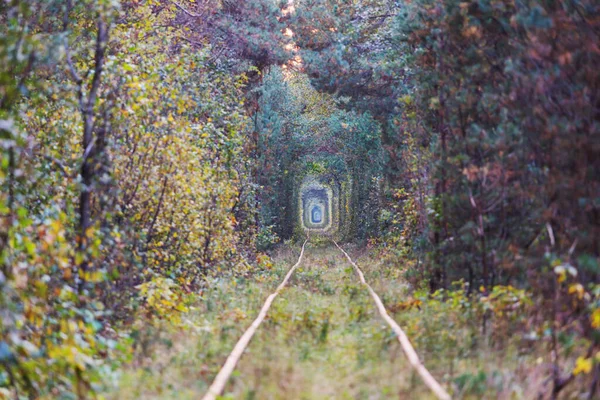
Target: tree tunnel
316, 206
323, 202
320, 165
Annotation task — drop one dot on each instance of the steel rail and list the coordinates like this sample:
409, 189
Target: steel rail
407, 347
218, 385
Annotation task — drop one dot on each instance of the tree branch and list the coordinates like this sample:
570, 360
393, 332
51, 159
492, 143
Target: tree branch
191, 14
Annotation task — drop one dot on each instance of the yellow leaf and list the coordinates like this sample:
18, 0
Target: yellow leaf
577, 289
595, 318
583, 365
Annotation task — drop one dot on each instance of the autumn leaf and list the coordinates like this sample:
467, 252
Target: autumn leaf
583, 366
595, 318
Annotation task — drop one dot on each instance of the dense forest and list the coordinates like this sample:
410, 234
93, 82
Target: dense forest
158, 158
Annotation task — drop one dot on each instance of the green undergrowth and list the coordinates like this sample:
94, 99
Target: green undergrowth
480, 347
323, 339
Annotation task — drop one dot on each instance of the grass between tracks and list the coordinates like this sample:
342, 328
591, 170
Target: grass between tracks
322, 339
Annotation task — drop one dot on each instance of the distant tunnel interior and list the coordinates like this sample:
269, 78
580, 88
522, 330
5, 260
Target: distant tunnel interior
317, 206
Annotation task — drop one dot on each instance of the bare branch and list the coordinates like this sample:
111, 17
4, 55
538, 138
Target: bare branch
88, 150
98, 62
550, 233
193, 42
58, 163
72, 70
191, 14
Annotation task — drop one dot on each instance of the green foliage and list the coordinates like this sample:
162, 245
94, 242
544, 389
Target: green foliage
266, 238
247, 35
344, 49
513, 145
145, 146
161, 300
123, 179
488, 112
305, 133
472, 384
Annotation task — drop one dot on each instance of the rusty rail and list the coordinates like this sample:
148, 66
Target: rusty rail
218, 385
407, 347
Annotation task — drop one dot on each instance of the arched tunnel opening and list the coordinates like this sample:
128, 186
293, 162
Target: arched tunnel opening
323, 203
316, 206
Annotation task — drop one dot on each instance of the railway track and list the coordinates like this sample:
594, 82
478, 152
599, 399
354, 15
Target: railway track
407, 347
216, 388
218, 385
